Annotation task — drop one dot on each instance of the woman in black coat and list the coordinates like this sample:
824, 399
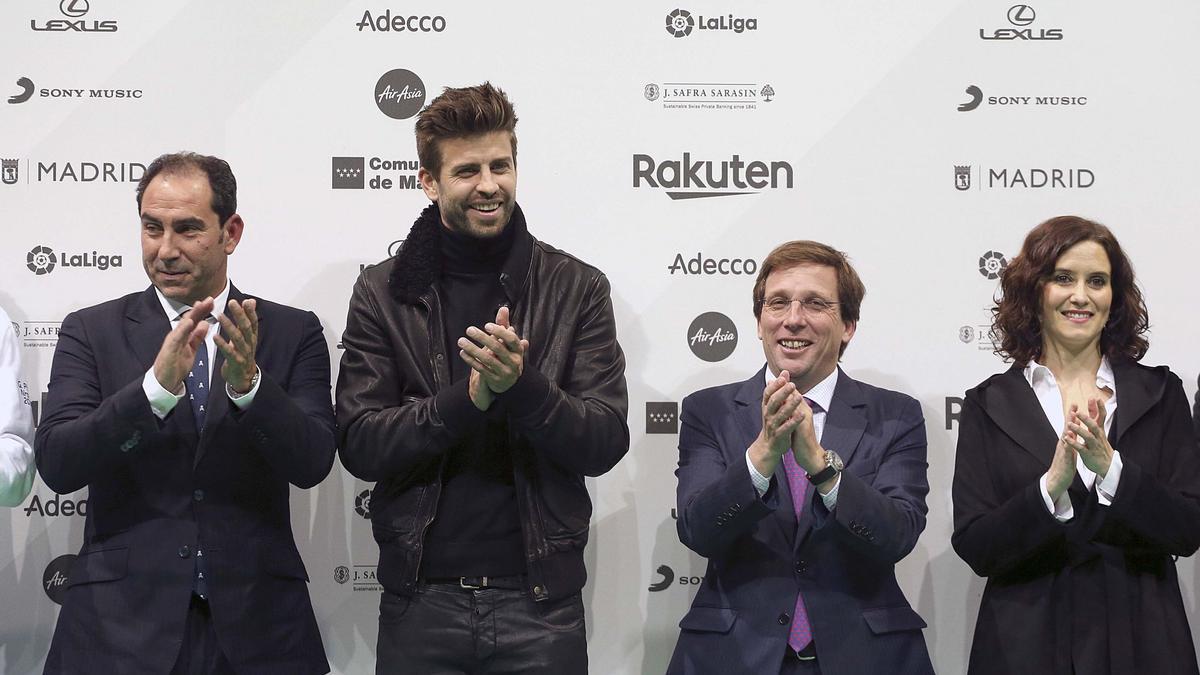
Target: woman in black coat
1077, 476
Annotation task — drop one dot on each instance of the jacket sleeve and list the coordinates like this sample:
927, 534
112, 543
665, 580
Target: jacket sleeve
16, 422
995, 533
579, 424
1162, 505
294, 429
886, 515
717, 502
82, 435
385, 428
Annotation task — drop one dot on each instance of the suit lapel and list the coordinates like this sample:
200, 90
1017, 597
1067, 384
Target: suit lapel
146, 326
1014, 408
845, 422
749, 419
1135, 396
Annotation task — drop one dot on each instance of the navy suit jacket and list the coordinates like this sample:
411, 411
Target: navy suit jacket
760, 556
157, 490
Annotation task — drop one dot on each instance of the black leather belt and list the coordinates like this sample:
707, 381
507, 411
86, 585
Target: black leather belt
509, 583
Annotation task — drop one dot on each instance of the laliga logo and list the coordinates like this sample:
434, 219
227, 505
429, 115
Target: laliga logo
991, 264
42, 260
680, 23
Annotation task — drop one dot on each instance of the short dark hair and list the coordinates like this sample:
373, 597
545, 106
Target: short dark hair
220, 179
460, 113
1017, 314
785, 256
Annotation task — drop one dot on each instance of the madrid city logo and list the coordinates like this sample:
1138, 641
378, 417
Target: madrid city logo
1021, 16
681, 23
1024, 178
10, 171
75, 11
991, 264
42, 260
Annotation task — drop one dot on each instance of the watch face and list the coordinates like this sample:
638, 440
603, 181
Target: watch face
832, 459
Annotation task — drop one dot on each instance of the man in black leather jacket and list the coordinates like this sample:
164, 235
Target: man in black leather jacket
481, 382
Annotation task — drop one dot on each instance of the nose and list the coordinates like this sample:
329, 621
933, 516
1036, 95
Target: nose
796, 315
1079, 293
168, 248
487, 182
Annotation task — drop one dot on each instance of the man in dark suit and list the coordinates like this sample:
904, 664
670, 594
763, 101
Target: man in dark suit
188, 562
803, 488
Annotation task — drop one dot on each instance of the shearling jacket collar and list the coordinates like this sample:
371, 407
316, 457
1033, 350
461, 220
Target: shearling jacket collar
419, 262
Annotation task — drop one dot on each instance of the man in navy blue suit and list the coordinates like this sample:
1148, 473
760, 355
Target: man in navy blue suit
188, 410
803, 488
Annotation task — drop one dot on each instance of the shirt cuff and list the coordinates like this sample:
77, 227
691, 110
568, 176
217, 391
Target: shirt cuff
454, 407
761, 482
162, 402
830, 499
1106, 489
1062, 510
243, 401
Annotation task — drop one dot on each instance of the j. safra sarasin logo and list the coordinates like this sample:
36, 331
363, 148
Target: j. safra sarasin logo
681, 23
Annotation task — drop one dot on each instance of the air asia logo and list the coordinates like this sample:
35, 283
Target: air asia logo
66, 92
42, 260
387, 23
74, 10
400, 94
991, 264
712, 337
26, 86
668, 578
1021, 16
709, 96
77, 172
976, 95
350, 173
56, 506
362, 504
54, 579
681, 23
700, 265
10, 171
341, 574
688, 179
38, 333
662, 417
1024, 178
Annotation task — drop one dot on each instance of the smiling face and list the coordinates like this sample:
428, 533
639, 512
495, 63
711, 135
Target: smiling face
1077, 298
184, 246
804, 342
476, 190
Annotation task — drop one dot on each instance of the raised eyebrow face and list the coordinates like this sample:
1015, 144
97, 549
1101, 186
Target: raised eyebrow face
188, 223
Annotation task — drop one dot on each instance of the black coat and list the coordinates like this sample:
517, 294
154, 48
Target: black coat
156, 489
1100, 592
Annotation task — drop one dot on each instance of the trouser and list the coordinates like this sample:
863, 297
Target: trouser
200, 654
446, 629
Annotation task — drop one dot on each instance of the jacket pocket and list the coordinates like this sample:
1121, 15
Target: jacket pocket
107, 564
709, 619
890, 619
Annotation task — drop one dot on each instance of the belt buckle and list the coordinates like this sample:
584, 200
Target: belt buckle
462, 581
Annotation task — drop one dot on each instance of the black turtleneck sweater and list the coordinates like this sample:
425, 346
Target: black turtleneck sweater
477, 529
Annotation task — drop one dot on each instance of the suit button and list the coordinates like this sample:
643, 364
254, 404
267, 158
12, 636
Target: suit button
784, 619
801, 567
184, 551
198, 495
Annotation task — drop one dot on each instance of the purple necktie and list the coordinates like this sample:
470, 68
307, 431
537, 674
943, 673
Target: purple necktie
801, 632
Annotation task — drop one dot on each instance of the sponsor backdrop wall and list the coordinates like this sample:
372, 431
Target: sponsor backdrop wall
672, 146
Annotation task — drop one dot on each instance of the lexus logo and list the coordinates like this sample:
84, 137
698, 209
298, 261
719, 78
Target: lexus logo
74, 8
1021, 15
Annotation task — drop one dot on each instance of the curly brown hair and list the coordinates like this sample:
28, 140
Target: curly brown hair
1016, 316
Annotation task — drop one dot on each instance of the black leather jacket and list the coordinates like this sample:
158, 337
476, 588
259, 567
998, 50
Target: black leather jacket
392, 430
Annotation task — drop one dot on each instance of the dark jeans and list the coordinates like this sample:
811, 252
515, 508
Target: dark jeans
445, 629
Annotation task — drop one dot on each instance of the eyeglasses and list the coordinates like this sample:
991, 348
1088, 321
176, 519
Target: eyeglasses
781, 306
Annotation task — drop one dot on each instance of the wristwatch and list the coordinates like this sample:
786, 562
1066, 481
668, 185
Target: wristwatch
833, 466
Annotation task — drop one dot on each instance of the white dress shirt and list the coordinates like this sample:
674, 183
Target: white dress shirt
821, 394
16, 421
1045, 387
162, 402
